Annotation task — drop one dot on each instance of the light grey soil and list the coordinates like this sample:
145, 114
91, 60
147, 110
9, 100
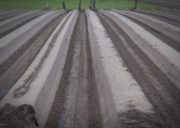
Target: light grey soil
12, 69
2, 11
5, 30
136, 119
165, 19
164, 96
11, 14
17, 116
172, 43
76, 103
21, 90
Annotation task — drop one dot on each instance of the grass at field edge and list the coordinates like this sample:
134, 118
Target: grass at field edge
72, 4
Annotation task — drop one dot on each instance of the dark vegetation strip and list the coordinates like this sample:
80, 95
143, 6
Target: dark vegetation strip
166, 3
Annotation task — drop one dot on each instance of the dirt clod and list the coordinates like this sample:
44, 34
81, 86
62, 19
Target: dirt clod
17, 116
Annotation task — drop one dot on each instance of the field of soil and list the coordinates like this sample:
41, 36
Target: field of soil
90, 69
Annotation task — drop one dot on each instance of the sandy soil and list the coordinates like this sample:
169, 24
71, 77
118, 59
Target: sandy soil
174, 44
11, 14
6, 30
165, 19
137, 119
76, 102
12, 69
163, 95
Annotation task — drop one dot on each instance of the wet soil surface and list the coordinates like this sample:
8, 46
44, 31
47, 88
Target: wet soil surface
163, 95
14, 67
76, 104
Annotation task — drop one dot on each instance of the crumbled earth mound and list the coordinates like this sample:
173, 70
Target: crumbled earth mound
17, 116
